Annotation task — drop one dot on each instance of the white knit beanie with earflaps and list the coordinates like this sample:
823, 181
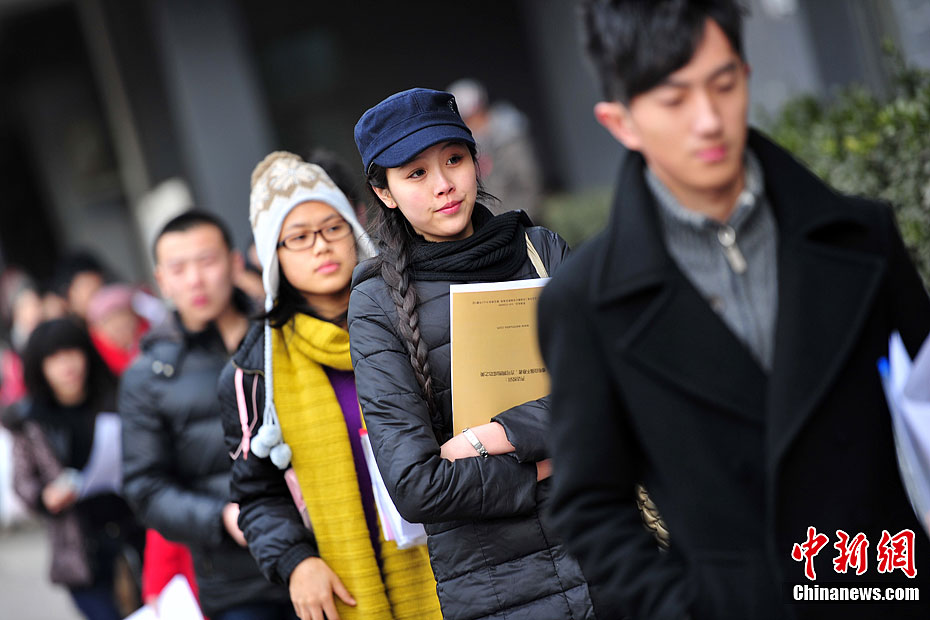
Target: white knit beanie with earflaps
279, 183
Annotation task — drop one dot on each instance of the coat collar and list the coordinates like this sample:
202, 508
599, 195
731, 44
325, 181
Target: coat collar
824, 292
636, 257
667, 315
826, 289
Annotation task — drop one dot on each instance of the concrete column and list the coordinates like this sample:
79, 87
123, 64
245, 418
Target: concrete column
221, 122
587, 156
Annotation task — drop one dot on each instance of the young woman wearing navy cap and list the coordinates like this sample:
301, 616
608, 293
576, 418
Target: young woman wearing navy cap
480, 494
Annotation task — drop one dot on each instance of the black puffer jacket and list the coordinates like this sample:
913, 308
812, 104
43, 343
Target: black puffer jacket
492, 553
277, 537
176, 469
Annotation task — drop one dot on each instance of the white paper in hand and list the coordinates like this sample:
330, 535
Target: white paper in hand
175, 602
104, 470
906, 390
393, 525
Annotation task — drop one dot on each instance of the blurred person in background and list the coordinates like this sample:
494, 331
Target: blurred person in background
506, 159
90, 526
20, 311
163, 560
54, 306
21, 307
114, 326
176, 467
116, 331
77, 277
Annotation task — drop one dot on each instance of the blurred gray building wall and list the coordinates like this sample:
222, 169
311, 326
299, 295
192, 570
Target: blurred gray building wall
585, 154
777, 45
222, 125
794, 47
68, 144
188, 94
165, 90
183, 102
780, 55
913, 21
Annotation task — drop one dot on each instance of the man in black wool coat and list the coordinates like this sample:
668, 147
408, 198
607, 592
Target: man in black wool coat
717, 344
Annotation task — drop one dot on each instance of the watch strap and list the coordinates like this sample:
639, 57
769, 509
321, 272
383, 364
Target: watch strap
474, 441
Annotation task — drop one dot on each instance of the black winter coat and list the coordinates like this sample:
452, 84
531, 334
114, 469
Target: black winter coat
650, 385
277, 537
492, 553
176, 469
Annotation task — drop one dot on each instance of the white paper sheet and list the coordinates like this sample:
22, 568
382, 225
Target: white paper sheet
103, 472
175, 602
393, 525
906, 390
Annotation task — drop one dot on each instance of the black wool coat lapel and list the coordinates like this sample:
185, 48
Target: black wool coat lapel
824, 292
819, 285
651, 386
640, 279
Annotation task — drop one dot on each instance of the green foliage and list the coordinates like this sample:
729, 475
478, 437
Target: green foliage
577, 216
873, 146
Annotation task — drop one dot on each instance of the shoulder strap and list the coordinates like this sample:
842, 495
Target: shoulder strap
243, 418
535, 259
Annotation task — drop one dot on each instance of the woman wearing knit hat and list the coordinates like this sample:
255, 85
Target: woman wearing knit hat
291, 415
480, 493
115, 328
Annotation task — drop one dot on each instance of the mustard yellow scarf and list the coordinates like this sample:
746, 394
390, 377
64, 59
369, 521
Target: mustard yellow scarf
313, 425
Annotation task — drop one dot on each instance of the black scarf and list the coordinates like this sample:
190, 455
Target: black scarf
494, 253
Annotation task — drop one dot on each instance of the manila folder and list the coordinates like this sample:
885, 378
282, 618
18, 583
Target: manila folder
496, 363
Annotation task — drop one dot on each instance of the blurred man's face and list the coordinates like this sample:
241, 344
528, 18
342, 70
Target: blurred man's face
120, 327
194, 269
691, 128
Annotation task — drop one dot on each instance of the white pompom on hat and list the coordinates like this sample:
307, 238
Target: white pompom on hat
279, 183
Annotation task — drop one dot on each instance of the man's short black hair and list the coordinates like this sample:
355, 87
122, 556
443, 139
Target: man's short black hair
72, 264
635, 44
192, 219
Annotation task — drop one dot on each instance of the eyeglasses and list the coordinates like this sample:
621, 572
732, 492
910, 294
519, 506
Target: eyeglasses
305, 239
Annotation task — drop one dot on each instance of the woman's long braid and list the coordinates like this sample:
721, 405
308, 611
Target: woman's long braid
393, 240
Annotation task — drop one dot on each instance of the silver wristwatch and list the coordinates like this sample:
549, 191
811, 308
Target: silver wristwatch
473, 439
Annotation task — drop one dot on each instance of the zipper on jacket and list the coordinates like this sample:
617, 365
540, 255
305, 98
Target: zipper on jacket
727, 238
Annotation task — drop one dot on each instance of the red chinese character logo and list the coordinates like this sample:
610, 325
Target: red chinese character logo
896, 552
808, 549
852, 553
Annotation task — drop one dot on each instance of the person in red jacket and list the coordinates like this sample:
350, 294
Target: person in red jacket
114, 326
116, 329
163, 560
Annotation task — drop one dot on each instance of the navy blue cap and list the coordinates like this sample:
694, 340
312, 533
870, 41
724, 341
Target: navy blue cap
405, 124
